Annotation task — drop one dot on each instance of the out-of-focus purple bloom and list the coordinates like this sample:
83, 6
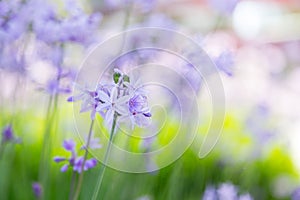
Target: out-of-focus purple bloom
74, 160
10, 58
141, 5
14, 20
227, 191
94, 143
210, 194
59, 159
296, 194
259, 126
225, 62
37, 190
7, 134
224, 6
160, 21
69, 145
77, 28
245, 197
91, 163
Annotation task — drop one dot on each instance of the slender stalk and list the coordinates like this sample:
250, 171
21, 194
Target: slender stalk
103, 166
79, 184
72, 185
2, 147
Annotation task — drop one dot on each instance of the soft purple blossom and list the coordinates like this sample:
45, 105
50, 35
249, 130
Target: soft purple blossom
210, 194
227, 191
245, 197
77, 27
37, 190
90, 163
88, 98
69, 145
225, 62
112, 103
14, 20
224, 6
94, 142
124, 98
139, 110
7, 134
74, 161
296, 194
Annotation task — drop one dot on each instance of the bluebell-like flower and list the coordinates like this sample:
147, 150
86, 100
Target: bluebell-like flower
37, 190
74, 160
8, 135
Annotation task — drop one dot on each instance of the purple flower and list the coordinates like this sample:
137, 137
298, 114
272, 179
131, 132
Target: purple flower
296, 194
74, 161
210, 194
88, 98
7, 134
37, 190
69, 145
77, 28
225, 62
224, 6
14, 20
227, 191
91, 163
139, 110
94, 143
112, 103
245, 197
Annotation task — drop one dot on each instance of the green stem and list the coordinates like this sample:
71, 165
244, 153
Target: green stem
72, 185
103, 166
2, 147
79, 184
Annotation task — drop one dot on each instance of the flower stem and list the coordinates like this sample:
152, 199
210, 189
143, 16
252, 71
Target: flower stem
103, 166
79, 184
72, 185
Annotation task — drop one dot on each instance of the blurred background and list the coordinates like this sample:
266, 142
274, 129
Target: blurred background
255, 44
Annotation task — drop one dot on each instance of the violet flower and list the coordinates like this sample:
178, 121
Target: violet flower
37, 190
226, 191
225, 62
75, 161
8, 135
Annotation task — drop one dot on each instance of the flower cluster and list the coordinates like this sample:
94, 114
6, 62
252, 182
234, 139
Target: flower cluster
77, 27
225, 191
124, 99
75, 161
